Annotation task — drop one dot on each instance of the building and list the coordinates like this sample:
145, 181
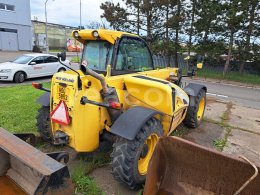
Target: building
58, 35
15, 25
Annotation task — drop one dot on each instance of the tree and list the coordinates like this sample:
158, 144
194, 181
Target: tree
207, 12
115, 15
193, 3
135, 7
232, 18
250, 12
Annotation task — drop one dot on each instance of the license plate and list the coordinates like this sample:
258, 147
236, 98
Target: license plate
62, 93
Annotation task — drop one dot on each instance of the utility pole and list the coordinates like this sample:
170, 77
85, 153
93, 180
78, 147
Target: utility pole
80, 16
46, 30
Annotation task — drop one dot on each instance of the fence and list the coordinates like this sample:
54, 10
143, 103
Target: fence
162, 61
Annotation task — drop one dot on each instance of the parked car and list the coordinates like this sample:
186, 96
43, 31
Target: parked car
30, 66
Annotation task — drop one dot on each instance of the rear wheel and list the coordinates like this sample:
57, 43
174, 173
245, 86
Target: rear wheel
195, 113
44, 123
130, 159
19, 77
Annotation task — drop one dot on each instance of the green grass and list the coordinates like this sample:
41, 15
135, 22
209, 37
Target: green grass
219, 144
75, 59
56, 50
18, 108
180, 131
83, 183
232, 76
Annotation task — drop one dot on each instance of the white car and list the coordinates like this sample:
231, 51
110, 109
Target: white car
31, 66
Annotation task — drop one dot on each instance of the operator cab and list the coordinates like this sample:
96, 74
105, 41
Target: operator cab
127, 54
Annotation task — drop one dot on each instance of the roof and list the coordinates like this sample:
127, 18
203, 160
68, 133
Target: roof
103, 34
37, 54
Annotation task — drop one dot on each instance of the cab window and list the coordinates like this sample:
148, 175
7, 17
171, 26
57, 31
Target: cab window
97, 54
133, 55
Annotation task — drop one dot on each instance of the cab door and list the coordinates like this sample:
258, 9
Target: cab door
132, 55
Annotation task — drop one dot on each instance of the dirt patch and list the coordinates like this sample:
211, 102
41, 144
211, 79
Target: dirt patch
215, 110
206, 134
243, 143
108, 184
227, 114
211, 100
245, 118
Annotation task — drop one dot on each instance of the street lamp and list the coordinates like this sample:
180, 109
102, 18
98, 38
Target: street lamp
80, 15
46, 31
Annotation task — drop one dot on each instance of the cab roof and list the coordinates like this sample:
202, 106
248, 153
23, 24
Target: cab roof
103, 34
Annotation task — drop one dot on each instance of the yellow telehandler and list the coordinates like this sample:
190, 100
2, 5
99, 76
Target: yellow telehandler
118, 95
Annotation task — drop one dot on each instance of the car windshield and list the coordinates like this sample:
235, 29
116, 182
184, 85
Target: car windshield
97, 54
24, 59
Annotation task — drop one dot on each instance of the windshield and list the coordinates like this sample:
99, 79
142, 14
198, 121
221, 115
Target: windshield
97, 54
24, 59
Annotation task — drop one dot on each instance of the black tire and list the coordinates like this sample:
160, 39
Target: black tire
126, 154
61, 70
191, 119
44, 123
19, 77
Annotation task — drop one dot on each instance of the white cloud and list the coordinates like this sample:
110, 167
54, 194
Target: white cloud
67, 12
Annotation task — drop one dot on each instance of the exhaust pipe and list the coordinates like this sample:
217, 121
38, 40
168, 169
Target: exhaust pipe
97, 76
109, 94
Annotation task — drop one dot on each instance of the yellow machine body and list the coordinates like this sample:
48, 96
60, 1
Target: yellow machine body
89, 121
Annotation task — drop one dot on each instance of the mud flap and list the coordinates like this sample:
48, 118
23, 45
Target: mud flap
26, 170
182, 167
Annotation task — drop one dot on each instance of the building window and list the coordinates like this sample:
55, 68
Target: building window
2, 6
6, 7
10, 7
8, 30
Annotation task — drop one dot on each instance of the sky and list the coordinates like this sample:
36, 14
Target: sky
67, 12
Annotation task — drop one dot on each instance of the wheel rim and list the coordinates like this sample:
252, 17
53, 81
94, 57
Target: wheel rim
201, 108
21, 77
144, 160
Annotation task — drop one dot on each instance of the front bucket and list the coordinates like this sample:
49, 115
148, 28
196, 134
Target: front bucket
182, 167
26, 170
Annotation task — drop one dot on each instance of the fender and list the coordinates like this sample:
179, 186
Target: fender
193, 89
44, 99
131, 121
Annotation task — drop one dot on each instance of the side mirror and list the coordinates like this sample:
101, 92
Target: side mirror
32, 63
199, 65
62, 55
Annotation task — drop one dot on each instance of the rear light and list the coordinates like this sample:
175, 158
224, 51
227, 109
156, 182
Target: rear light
115, 105
37, 85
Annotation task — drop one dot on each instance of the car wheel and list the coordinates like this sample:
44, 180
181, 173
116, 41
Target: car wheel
19, 77
61, 70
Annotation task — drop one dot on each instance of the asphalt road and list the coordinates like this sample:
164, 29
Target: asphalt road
249, 97
242, 95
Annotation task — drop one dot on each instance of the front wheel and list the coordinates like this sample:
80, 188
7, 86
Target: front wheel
195, 113
130, 158
19, 77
